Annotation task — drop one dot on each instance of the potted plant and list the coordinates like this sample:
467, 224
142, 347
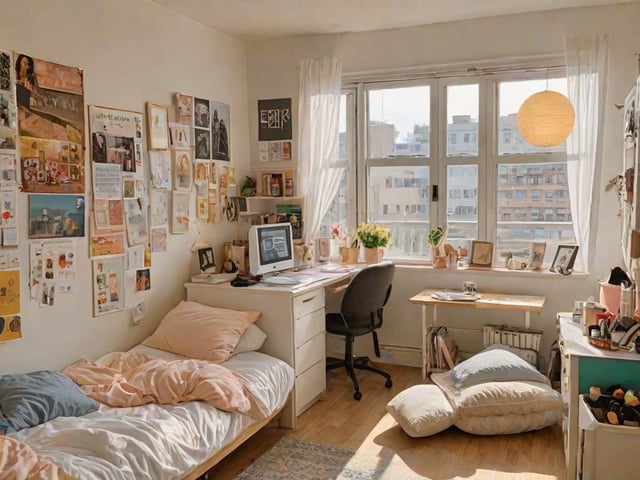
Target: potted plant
351, 248
436, 240
374, 238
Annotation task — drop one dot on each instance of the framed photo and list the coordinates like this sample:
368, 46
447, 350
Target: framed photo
206, 259
481, 254
536, 257
180, 135
55, 216
180, 212
158, 126
564, 259
182, 170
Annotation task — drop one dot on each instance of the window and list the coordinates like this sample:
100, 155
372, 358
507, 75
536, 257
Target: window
446, 152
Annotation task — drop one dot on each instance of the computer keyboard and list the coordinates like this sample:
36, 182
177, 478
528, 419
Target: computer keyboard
279, 280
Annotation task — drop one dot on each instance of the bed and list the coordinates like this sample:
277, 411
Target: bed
158, 441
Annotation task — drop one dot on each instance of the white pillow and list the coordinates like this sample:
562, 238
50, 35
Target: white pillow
496, 365
508, 424
251, 340
421, 410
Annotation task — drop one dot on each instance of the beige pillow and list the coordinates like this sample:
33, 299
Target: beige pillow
200, 331
421, 410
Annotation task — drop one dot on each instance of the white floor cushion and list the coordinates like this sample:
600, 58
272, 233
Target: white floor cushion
421, 410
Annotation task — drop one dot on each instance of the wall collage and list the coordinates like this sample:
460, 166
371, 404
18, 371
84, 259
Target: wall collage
42, 154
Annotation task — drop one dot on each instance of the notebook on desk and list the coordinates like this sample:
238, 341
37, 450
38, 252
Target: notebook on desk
455, 296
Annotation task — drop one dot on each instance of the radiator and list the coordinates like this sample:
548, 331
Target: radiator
512, 336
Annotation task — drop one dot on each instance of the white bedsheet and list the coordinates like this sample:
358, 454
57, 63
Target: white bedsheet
155, 442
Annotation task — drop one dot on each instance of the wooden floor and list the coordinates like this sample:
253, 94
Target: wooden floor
340, 420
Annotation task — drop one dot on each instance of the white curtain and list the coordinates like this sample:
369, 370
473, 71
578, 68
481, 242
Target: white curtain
586, 59
318, 113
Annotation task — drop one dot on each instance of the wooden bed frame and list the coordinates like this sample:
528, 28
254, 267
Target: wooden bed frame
214, 459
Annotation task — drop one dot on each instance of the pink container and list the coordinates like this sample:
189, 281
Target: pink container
610, 296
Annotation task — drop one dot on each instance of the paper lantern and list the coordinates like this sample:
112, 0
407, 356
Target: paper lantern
545, 119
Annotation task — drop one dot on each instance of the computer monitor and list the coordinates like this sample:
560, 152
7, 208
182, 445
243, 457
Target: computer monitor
270, 248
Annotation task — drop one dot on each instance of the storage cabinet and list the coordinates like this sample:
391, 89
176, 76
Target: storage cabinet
606, 451
298, 317
584, 365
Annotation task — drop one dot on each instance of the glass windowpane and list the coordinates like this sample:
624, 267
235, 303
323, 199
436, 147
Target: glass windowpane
462, 120
398, 122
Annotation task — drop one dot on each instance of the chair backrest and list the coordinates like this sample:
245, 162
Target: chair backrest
365, 296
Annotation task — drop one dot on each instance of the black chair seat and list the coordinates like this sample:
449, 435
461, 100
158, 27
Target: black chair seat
360, 314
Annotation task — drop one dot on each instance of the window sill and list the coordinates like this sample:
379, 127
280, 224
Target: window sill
542, 273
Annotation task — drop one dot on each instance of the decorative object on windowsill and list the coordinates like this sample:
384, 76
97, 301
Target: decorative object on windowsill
545, 119
374, 238
436, 239
536, 255
564, 259
481, 254
351, 248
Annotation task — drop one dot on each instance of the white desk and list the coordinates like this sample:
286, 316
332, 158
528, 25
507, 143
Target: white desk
293, 317
494, 301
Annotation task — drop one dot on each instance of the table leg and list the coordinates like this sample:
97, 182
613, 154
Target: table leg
424, 343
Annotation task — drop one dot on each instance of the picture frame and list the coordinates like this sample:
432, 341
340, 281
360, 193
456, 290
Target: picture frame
564, 259
180, 212
206, 260
182, 170
536, 255
180, 135
481, 254
157, 126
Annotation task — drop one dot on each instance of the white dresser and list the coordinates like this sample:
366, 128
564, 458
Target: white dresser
592, 448
298, 317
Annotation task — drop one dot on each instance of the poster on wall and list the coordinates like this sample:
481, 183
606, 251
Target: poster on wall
274, 119
8, 129
184, 105
10, 320
53, 270
108, 285
56, 216
220, 126
50, 106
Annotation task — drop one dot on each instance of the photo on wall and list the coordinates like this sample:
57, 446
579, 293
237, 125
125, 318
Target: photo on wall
220, 127
55, 216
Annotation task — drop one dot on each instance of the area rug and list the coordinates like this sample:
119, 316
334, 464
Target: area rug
294, 459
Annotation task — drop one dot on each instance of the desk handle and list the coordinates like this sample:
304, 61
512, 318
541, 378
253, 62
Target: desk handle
308, 299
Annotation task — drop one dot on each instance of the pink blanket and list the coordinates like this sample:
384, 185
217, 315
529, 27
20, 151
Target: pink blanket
18, 461
130, 379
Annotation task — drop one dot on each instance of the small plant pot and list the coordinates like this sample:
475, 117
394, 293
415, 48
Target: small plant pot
373, 255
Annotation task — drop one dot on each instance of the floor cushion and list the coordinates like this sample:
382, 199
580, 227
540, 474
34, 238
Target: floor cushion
421, 410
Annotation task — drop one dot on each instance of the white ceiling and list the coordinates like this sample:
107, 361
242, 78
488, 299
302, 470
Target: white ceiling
273, 18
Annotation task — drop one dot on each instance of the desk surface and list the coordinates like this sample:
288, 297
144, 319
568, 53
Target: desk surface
309, 279
493, 301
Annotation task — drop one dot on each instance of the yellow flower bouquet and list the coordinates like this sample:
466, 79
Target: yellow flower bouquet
373, 235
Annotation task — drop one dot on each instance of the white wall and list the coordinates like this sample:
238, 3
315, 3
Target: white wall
131, 52
272, 71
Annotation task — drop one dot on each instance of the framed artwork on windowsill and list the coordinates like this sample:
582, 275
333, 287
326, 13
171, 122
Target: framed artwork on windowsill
481, 254
564, 259
536, 256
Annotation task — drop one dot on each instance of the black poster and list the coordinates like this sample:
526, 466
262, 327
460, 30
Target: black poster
274, 119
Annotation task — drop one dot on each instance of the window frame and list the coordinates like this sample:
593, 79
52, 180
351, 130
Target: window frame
488, 134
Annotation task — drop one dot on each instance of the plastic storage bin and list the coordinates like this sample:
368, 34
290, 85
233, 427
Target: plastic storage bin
608, 451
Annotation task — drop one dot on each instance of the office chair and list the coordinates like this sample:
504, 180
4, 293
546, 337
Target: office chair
360, 314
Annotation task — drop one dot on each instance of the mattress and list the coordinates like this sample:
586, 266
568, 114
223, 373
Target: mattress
156, 442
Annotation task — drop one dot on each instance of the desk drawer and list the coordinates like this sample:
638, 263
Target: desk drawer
310, 385
308, 302
309, 353
308, 326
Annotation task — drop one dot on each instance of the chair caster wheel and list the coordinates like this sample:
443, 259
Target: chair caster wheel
357, 395
388, 383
